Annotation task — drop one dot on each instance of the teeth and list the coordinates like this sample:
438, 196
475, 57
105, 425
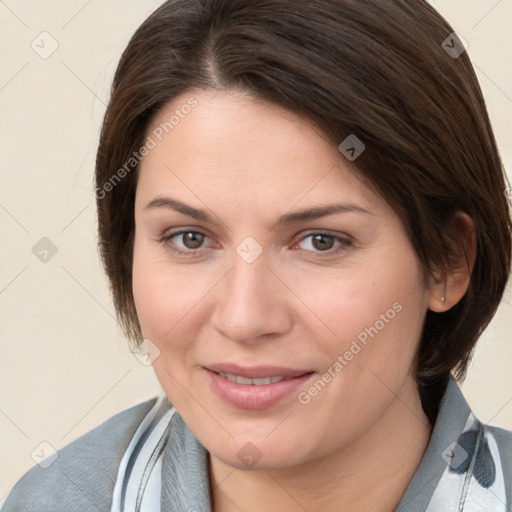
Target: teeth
259, 382
255, 382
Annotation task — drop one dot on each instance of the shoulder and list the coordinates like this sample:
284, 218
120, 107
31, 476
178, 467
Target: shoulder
83, 473
503, 435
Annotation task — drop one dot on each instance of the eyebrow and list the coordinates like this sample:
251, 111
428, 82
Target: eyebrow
289, 218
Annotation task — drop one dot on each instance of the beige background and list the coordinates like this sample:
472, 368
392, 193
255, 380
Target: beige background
65, 366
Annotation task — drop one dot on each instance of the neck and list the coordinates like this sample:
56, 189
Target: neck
370, 474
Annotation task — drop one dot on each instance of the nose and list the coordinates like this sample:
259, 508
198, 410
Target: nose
251, 303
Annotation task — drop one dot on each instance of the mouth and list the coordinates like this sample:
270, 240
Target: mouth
256, 387
253, 382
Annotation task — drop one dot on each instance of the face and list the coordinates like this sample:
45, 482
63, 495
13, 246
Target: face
282, 294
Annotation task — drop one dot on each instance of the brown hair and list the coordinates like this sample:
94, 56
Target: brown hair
374, 69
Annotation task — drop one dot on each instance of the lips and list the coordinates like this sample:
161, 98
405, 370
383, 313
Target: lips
257, 372
253, 382
254, 387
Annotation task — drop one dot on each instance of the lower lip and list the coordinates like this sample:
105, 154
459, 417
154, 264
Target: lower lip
248, 396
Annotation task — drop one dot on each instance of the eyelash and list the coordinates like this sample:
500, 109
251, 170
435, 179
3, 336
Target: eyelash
344, 242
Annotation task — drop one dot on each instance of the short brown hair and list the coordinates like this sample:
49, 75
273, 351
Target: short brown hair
374, 69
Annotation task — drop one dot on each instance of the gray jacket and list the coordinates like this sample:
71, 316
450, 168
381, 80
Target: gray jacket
467, 465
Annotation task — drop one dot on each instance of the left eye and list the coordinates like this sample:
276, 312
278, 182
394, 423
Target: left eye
324, 242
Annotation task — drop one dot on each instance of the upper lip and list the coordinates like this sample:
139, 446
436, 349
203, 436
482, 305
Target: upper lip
256, 372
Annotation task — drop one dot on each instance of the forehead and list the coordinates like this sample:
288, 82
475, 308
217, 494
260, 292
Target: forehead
232, 146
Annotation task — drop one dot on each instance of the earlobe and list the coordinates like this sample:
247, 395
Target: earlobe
437, 297
448, 290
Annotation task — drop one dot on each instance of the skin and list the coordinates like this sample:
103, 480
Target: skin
357, 443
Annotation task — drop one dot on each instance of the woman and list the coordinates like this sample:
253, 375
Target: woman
302, 212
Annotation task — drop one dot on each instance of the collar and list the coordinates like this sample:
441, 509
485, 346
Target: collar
462, 468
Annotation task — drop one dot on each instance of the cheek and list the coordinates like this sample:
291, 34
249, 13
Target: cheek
170, 299
371, 313
376, 315
161, 299
164, 301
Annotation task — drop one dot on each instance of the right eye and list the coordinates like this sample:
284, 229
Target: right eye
191, 241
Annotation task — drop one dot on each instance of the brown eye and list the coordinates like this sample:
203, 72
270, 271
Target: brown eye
192, 239
322, 242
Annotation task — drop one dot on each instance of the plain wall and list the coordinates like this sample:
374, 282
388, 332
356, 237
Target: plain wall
65, 366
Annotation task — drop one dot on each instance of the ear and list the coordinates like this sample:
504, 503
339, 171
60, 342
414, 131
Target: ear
449, 286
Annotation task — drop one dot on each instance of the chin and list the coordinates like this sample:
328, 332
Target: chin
261, 453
